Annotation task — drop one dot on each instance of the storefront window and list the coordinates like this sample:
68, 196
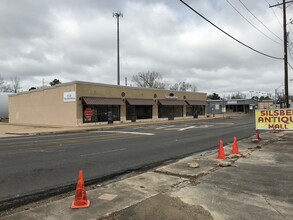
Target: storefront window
166, 110
178, 111
139, 112
144, 111
195, 109
101, 113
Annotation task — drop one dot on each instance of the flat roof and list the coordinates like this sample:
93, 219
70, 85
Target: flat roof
99, 84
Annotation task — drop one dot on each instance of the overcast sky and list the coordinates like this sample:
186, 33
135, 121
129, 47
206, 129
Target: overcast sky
75, 40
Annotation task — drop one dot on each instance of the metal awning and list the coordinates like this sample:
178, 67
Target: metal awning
196, 102
172, 102
102, 101
141, 101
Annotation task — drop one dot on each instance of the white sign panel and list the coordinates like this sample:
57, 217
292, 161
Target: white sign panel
232, 102
69, 96
217, 107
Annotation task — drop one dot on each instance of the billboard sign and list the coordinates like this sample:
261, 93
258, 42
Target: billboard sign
274, 119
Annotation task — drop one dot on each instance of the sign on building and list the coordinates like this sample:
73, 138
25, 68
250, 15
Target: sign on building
69, 96
229, 102
279, 119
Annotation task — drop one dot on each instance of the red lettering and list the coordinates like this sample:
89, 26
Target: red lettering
271, 126
277, 126
260, 119
267, 119
276, 112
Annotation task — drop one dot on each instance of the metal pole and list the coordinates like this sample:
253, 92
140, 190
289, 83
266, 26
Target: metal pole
117, 15
118, 54
275, 98
285, 57
224, 107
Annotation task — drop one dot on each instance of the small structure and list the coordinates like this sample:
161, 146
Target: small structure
231, 106
4, 105
80, 103
268, 104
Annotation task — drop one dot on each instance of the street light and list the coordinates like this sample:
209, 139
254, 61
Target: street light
117, 15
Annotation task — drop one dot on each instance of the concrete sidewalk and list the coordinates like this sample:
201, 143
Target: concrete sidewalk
258, 185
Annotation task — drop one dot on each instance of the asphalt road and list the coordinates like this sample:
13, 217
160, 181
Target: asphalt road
40, 166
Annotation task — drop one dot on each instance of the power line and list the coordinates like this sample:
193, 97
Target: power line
289, 37
290, 49
274, 14
251, 23
284, 2
278, 58
286, 97
259, 20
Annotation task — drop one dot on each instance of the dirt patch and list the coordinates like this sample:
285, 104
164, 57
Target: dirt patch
161, 207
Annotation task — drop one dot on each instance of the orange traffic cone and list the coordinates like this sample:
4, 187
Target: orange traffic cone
80, 200
235, 146
221, 153
257, 135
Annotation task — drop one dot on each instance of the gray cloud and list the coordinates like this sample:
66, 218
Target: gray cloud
76, 40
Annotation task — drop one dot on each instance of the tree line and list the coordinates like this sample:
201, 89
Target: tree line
142, 79
12, 86
240, 95
155, 80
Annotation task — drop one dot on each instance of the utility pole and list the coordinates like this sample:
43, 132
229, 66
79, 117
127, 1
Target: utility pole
117, 15
285, 56
286, 96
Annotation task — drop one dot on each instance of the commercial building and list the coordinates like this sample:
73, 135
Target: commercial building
82, 103
231, 106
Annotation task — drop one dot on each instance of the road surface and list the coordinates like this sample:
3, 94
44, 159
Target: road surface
35, 167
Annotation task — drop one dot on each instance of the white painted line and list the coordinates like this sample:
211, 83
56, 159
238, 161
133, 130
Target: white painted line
183, 129
221, 123
205, 126
102, 152
162, 127
126, 132
171, 129
158, 128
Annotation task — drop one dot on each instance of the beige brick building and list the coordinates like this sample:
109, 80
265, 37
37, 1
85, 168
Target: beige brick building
83, 103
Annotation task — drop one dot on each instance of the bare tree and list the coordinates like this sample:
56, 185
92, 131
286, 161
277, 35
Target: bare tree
1, 83
4, 87
183, 86
238, 95
149, 80
15, 84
